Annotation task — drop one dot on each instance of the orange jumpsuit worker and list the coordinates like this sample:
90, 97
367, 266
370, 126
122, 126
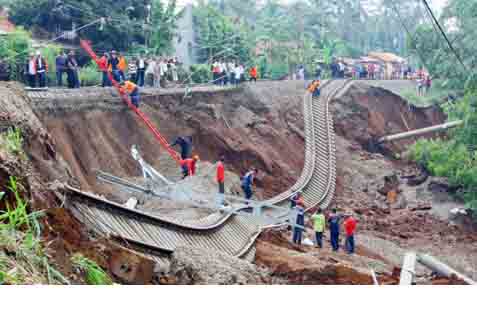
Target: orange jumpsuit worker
253, 74
132, 90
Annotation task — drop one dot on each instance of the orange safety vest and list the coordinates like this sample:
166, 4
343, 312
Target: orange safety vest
122, 64
129, 87
314, 86
253, 72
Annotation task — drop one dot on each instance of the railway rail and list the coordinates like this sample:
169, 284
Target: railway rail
234, 234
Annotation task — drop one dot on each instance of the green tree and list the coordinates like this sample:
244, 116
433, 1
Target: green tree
125, 26
163, 25
218, 37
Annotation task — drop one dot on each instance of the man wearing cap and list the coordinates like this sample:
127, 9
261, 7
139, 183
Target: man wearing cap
350, 228
41, 69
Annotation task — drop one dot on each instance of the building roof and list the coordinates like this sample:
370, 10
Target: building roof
386, 57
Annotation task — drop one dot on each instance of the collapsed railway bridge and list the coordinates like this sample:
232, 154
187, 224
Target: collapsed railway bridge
83, 137
157, 236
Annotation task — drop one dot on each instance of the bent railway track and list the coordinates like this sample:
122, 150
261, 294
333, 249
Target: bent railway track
158, 236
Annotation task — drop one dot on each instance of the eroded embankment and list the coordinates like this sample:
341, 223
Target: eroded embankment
363, 114
247, 126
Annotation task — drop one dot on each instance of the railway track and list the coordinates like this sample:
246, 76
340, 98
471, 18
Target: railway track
233, 234
318, 179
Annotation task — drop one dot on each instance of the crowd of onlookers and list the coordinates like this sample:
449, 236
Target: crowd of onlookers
36, 70
150, 71
231, 73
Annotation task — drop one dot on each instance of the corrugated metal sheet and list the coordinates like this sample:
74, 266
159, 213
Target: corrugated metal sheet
234, 236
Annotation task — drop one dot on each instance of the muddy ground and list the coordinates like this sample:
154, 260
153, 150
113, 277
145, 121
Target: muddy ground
259, 125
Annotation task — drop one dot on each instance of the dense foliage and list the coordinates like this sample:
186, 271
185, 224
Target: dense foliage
14, 50
455, 158
458, 20
219, 37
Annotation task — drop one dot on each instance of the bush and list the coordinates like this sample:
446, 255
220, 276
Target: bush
452, 160
14, 49
90, 75
200, 73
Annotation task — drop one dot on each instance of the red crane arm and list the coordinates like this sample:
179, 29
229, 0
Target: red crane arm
104, 68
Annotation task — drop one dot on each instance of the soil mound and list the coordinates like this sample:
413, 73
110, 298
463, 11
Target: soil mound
364, 113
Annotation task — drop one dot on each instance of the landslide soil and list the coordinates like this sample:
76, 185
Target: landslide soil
253, 126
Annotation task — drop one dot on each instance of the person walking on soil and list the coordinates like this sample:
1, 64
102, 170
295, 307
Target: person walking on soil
185, 143
299, 224
319, 224
334, 226
247, 183
220, 177
350, 229
132, 90
253, 74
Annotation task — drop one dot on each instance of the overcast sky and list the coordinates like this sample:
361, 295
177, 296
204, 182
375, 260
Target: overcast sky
436, 4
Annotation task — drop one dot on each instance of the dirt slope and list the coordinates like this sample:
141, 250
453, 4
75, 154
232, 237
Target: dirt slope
364, 113
249, 128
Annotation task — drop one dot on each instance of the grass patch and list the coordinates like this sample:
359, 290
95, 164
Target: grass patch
435, 96
12, 142
23, 259
93, 273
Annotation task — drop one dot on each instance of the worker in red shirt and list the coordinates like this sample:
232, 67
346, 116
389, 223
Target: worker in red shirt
103, 65
188, 166
221, 179
350, 229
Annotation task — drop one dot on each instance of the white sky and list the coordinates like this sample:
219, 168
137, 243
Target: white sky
435, 4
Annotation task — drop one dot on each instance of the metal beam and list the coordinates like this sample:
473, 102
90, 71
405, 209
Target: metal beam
442, 269
419, 132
